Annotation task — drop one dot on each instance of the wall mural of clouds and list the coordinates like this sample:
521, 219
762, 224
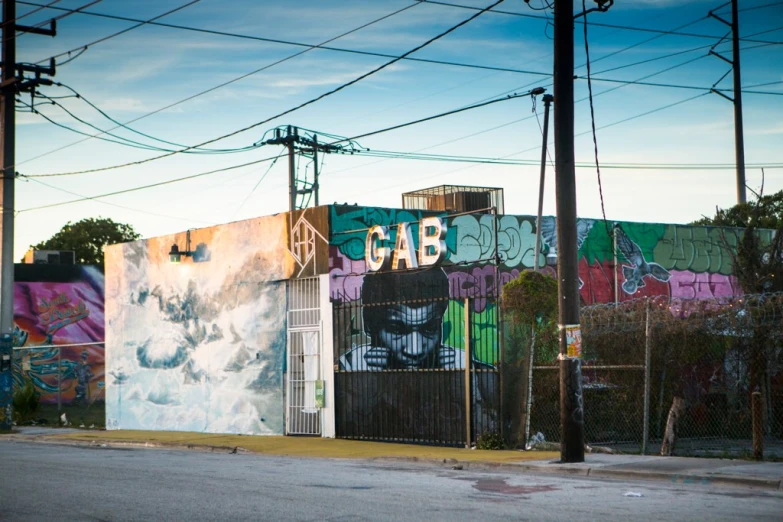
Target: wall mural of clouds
193, 348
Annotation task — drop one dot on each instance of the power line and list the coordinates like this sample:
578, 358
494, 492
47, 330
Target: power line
592, 119
436, 116
673, 32
141, 23
201, 93
256, 185
577, 101
12, 34
311, 46
587, 132
532, 162
625, 49
33, 110
300, 106
676, 86
143, 187
130, 129
117, 205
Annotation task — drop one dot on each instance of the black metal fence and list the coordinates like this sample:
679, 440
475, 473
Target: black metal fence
413, 364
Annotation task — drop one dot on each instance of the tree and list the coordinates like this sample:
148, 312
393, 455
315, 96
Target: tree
88, 237
765, 212
758, 268
530, 304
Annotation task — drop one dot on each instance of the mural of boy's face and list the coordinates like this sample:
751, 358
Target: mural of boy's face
411, 335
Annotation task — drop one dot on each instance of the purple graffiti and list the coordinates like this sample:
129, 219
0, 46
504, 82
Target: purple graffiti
690, 285
477, 283
346, 276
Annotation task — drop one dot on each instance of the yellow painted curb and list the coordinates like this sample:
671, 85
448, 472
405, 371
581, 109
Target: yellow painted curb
308, 446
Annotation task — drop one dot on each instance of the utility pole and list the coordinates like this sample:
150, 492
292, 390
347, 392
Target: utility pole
571, 406
8, 137
288, 140
7, 120
545, 136
291, 138
739, 135
9, 87
291, 177
315, 168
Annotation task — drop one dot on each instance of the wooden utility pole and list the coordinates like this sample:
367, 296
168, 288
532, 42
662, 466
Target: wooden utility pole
571, 408
739, 134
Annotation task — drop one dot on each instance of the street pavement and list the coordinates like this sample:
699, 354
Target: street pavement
734, 472
56, 481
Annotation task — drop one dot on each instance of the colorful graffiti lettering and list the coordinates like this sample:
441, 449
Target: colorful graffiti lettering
59, 312
59, 332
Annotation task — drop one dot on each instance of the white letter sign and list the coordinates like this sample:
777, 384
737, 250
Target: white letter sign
432, 246
376, 256
403, 247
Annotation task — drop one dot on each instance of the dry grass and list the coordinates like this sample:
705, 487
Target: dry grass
308, 446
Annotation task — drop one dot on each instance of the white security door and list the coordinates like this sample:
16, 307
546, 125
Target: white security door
304, 358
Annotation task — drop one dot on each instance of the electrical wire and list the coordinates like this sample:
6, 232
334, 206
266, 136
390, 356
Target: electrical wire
519, 120
143, 187
211, 89
37, 112
400, 155
673, 32
84, 47
126, 127
321, 46
619, 51
120, 140
429, 118
301, 105
592, 119
677, 86
117, 205
256, 185
535, 162
37, 9
494, 11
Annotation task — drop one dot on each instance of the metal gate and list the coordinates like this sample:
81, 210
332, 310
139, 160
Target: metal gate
413, 364
303, 412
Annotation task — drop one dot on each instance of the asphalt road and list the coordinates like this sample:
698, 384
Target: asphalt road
57, 482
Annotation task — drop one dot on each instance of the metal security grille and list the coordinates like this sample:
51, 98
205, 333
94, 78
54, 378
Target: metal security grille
304, 358
403, 372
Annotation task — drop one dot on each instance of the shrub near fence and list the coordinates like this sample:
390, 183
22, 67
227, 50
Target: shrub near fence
639, 355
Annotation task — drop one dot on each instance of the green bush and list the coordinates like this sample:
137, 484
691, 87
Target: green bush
490, 440
25, 402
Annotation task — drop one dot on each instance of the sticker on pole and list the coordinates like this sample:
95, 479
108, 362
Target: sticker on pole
573, 334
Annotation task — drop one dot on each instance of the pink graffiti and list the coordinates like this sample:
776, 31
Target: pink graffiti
690, 285
477, 284
345, 275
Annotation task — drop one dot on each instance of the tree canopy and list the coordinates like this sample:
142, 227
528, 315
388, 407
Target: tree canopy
88, 237
765, 212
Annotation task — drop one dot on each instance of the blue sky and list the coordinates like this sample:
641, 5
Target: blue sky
151, 67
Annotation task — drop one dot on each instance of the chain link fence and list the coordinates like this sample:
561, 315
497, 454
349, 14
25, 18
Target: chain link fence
68, 379
639, 355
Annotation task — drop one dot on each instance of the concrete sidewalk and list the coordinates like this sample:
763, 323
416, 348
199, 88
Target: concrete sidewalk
705, 471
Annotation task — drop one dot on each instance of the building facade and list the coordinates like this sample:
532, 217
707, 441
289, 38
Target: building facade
357, 322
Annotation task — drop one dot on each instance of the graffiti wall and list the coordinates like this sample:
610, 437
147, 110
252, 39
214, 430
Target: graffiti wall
58, 316
618, 261
200, 345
